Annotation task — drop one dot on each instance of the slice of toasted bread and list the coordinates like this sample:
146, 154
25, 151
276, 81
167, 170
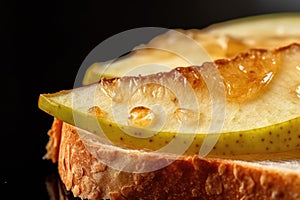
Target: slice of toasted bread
189, 177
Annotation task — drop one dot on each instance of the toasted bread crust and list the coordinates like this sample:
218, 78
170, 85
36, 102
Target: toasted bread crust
53, 144
189, 177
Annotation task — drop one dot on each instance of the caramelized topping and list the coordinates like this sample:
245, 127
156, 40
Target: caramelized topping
192, 75
107, 86
244, 77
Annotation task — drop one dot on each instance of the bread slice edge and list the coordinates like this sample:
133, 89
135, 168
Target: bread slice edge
187, 177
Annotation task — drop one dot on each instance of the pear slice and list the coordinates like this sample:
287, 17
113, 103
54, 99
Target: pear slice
221, 40
172, 111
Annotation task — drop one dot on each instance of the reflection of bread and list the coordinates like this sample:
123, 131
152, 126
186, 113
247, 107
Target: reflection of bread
56, 189
186, 178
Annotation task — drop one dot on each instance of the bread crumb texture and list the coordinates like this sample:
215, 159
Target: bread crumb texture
189, 177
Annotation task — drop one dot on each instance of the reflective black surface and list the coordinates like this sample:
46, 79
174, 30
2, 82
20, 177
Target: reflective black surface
43, 45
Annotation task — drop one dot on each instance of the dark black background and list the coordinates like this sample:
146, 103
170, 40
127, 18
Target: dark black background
43, 45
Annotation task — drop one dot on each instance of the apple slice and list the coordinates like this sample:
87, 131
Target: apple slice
173, 111
180, 47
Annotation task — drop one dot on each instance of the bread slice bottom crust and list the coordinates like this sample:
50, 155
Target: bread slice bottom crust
189, 177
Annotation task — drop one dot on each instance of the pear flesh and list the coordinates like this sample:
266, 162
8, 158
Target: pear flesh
172, 111
221, 40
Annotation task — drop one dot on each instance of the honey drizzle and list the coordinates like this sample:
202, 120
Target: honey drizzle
244, 76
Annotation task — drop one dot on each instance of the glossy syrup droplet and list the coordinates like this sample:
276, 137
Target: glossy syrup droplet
185, 116
96, 111
245, 75
141, 116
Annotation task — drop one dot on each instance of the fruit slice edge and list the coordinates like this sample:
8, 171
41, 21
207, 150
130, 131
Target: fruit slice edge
277, 138
252, 28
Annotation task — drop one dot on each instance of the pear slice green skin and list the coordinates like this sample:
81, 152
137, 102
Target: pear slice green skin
280, 137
